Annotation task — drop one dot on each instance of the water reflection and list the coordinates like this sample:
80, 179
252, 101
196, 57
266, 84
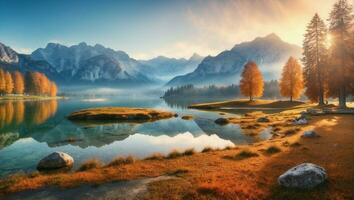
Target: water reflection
31, 129
20, 115
140, 145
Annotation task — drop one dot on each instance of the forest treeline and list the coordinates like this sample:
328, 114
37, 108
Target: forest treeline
327, 72
32, 83
271, 91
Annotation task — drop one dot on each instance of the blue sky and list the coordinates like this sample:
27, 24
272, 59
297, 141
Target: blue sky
147, 28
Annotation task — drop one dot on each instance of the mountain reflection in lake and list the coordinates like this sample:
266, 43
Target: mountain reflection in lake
32, 129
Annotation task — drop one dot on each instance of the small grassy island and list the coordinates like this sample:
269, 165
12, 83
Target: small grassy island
118, 114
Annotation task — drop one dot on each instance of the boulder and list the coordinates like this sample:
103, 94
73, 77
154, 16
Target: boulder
303, 176
310, 134
222, 121
263, 119
56, 160
187, 117
300, 121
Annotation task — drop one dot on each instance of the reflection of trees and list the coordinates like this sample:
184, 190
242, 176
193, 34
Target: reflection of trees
14, 112
19, 113
38, 112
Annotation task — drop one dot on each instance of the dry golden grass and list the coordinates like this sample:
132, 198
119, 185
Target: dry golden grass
155, 156
210, 176
246, 103
121, 161
90, 164
120, 114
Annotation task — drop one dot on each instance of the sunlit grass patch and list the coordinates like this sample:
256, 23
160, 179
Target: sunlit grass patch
90, 164
291, 131
122, 161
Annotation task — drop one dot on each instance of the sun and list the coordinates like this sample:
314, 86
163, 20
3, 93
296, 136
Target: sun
328, 40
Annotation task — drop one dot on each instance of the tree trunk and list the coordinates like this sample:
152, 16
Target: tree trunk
251, 99
291, 98
342, 98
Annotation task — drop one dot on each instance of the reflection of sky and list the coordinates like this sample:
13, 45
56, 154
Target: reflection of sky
30, 151
34, 141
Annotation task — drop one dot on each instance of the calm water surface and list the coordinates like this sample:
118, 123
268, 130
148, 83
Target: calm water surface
33, 129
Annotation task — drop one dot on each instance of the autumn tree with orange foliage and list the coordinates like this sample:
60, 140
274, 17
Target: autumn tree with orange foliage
2, 81
9, 84
291, 82
251, 83
53, 89
19, 83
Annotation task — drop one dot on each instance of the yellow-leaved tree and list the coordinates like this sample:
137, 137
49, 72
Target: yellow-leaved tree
291, 82
251, 83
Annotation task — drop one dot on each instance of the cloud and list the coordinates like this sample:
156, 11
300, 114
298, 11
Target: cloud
23, 50
219, 25
224, 23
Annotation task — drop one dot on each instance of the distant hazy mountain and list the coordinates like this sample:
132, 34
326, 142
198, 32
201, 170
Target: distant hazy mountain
269, 52
165, 68
91, 64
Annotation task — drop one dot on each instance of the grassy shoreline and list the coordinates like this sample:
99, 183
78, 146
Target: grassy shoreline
241, 172
31, 97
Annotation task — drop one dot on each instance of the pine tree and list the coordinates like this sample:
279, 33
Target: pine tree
251, 83
19, 85
341, 51
315, 60
9, 84
291, 83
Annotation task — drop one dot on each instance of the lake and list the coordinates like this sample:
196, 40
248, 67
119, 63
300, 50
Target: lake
30, 130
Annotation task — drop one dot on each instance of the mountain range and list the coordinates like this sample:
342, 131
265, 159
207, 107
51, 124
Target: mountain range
269, 52
83, 64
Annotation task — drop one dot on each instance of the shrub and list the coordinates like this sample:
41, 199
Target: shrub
189, 152
121, 161
90, 164
174, 154
273, 149
207, 149
243, 155
155, 156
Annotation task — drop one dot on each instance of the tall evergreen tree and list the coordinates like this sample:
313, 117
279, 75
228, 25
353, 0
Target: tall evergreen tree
341, 51
315, 60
